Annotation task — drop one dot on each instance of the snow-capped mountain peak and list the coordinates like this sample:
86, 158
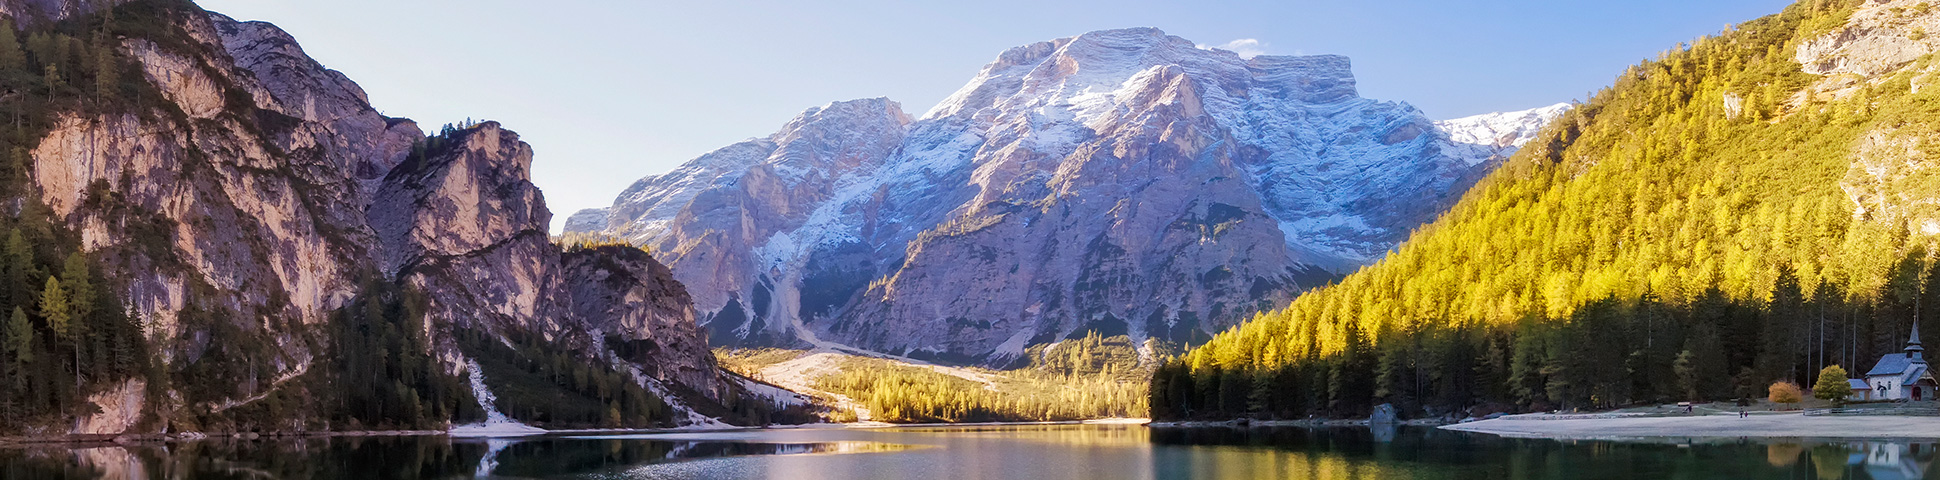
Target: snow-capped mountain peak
1503, 129
1120, 181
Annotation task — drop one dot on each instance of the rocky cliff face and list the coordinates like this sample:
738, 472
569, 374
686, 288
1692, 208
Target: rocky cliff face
467, 219
38, 11
1882, 40
265, 190
1123, 182
625, 295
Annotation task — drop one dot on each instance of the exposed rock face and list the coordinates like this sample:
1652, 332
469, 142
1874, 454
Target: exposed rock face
587, 220
624, 292
256, 228
466, 225
34, 11
1881, 39
1121, 181
468, 219
283, 190
120, 407
338, 120
1881, 36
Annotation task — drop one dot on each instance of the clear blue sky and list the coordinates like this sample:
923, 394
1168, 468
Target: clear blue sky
610, 91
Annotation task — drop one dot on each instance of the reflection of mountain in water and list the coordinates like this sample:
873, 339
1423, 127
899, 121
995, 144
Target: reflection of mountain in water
403, 458
549, 457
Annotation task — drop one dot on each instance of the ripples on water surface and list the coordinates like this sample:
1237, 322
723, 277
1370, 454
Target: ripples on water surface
1012, 452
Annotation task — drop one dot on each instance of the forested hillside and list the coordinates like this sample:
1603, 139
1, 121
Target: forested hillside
1716, 220
202, 229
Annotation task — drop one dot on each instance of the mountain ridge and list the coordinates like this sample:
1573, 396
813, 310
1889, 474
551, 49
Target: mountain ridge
275, 242
1037, 138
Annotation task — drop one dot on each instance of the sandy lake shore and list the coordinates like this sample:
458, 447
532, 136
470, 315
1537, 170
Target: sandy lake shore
1776, 425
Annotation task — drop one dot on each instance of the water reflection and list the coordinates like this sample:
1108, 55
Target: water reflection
1415, 453
385, 457
1008, 452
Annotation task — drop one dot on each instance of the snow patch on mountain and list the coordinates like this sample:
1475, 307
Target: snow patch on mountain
1503, 129
496, 423
1121, 177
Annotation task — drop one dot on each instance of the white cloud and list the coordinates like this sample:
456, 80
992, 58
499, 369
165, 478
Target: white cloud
1245, 47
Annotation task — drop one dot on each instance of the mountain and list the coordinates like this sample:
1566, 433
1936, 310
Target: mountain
1123, 182
290, 259
1740, 211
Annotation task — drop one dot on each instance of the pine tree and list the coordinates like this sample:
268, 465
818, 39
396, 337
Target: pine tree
80, 289
16, 265
20, 337
1689, 382
1783, 318
11, 58
1707, 369
106, 79
53, 308
52, 75
18, 353
1525, 367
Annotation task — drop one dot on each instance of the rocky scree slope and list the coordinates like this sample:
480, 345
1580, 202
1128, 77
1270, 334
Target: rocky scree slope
264, 191
1123, 182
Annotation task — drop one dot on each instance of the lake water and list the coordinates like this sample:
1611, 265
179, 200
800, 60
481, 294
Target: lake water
1009, 452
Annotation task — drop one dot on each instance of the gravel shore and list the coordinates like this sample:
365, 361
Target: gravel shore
1777, 425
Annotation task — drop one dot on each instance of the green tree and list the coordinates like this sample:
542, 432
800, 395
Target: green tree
52, 74
1688, 380
18, 266
80, 289
20, 337
1525, 367
1707, 370
1782, 332
53, 308
1832, 385
11, 58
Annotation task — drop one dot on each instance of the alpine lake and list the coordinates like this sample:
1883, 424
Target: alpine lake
986, 452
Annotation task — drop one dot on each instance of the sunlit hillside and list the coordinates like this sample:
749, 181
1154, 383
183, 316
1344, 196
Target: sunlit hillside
1716, 220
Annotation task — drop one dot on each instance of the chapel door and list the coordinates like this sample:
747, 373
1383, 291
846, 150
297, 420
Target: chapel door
1916, 393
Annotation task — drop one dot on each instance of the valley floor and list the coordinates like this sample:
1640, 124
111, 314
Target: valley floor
1758, 424
1081, 380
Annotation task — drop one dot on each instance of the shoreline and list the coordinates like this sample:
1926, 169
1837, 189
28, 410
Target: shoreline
1313, 423
1759, 425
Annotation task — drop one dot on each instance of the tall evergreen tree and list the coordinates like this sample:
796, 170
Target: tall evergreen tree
20, 337
11, 58
79, 283
1526, 381
1778, 357
54, 309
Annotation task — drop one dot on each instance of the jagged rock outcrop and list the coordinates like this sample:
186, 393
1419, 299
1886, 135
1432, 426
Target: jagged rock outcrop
1880, 36
1123, 182
467, 226
277, 192
623, 292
